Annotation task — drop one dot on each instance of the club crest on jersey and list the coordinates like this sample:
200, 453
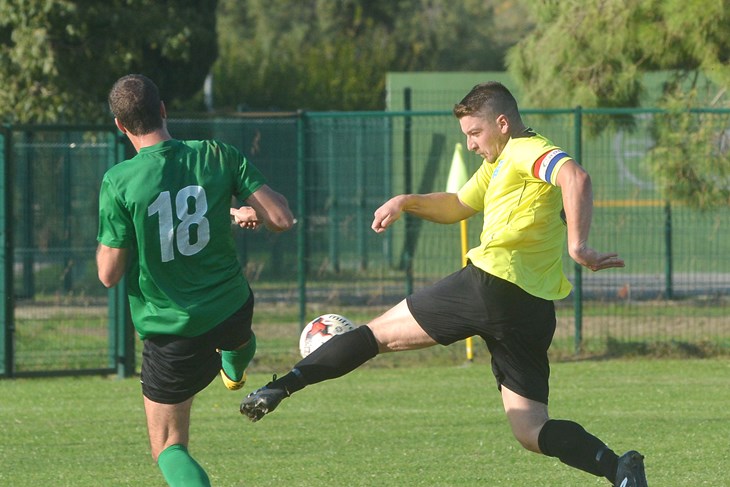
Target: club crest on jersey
546, 164
500, 163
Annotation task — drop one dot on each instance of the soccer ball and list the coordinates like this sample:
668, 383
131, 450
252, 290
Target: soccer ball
321, 329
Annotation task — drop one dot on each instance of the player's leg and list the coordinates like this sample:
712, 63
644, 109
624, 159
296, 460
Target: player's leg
568, 441
442, 313
525, 327
573, 445
234, 364
237, 344
395, 330
526, 418
174, 370
168, 426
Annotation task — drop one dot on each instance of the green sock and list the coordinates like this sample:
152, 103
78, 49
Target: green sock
180, 469
234, 362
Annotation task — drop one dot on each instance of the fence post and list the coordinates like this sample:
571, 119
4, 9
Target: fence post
302, 218
388, 185
668, 265
578, 284
407, 259
116, 327
333, 203
360, 200
121, 331
125, 336
26, 221
67, 168
7, 303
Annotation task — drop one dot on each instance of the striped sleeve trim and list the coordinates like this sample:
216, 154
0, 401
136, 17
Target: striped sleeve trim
545, 166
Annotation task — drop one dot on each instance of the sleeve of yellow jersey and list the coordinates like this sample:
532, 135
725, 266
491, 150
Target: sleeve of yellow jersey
546, 166
472, 193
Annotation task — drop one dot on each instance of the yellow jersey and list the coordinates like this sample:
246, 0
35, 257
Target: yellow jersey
523, 236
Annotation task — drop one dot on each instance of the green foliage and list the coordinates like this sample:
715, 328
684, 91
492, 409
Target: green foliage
324, 55
691, 157
572, 58
58, 58
595, 53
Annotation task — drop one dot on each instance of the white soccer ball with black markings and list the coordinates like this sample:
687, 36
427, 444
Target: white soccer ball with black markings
321, 329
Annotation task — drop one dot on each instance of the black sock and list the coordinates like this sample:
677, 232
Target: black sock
336, 357
574, 446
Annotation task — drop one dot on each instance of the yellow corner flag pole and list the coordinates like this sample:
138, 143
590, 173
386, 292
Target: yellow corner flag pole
458, 176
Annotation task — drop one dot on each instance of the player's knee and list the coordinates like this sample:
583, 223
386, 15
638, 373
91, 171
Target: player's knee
527, 435
527, 440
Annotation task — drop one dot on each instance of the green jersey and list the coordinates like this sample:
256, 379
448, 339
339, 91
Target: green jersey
170, 205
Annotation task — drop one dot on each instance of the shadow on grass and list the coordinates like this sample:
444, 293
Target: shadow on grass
561, 351
614, 349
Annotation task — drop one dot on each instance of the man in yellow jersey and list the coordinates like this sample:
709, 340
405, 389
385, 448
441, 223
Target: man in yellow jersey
528, 191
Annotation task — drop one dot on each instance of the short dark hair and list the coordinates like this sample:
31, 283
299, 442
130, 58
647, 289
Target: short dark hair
491, 98
135, 101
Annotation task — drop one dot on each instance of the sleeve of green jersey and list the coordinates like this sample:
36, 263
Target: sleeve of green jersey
248, 176
115, 224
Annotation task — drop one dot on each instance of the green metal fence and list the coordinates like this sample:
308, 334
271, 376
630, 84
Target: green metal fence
336, 169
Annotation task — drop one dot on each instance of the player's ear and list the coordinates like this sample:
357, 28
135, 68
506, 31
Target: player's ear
163, 110
503, 124
120, 126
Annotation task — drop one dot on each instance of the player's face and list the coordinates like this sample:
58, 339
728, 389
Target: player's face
484, 136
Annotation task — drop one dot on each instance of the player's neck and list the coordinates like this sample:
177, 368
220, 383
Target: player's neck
147, 140
518, 130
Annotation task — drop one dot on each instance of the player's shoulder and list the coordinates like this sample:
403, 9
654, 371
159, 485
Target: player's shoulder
533, 142
209, 144
533, 147
214, 151
121, 169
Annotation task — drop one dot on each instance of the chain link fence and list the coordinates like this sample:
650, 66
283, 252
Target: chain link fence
336, 169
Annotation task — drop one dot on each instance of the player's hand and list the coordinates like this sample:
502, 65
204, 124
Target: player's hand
386, 215
245, 217
596, 261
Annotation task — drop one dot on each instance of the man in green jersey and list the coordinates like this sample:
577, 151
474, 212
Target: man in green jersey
528, 191
165, 221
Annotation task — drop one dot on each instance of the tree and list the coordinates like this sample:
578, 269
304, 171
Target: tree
325, 55
595, 53
299, 54
58, 58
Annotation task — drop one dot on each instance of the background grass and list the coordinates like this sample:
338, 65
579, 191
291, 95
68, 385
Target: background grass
52, 338
379, 426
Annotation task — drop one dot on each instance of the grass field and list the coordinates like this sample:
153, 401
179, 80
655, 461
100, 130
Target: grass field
379, 426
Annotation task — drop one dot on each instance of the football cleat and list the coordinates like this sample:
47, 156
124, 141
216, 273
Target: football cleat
231, 384
630, 471
262, 401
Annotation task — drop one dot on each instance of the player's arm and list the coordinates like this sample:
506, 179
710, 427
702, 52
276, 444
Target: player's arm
272, 209
434, 207
577, 190
111, 264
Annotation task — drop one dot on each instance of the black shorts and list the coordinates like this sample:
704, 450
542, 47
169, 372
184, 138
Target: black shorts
517, 326
175, 368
